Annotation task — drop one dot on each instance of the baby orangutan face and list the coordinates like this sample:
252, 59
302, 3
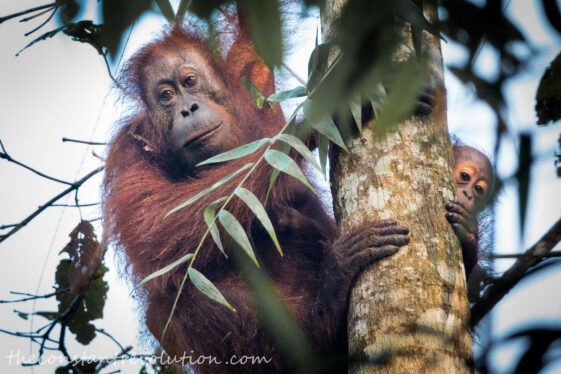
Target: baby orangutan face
474, 178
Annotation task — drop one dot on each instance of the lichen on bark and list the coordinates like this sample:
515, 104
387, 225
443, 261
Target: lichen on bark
410, 308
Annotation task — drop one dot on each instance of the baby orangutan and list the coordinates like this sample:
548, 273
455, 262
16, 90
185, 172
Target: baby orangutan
475, 181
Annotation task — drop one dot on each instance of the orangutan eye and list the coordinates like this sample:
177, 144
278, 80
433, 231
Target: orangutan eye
166, 95
480, 190
190, 81
464, 176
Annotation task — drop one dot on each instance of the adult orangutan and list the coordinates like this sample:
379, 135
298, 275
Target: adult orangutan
191, 106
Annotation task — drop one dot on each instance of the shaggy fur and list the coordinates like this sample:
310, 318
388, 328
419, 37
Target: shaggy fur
141, 186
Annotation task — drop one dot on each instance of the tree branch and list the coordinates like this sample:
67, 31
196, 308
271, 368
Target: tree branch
75, 205
82, 141
2, 19
33, 297
4, 154
520, 255
501, 286
74, 186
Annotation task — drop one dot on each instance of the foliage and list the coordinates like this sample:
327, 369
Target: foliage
354, 68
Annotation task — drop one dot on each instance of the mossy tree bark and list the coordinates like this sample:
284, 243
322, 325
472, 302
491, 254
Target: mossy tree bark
411, 306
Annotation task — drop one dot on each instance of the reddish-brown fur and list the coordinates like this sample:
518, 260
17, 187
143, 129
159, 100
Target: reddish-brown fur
140, 188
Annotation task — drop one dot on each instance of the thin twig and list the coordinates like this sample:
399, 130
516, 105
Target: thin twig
98, 156
520, 255
75, 206
33, 297
4, 154
14, 15
35, 15
82, 141
103, 332
501, 286
42, 24
74, 186
293, 73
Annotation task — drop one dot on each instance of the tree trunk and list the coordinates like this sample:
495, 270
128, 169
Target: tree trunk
411, 306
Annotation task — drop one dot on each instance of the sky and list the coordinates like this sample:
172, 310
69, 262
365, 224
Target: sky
59, 88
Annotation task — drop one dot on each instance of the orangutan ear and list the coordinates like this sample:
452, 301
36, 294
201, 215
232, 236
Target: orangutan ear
243, 61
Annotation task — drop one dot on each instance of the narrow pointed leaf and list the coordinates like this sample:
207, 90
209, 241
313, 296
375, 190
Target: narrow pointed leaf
323, 147
400, 102
410, 12
318, 66
284, 163
236, 153
291, 128
274, 176
377, 97
257, 208
323, 123
182, 9
285, 95
355, 106
265, 29
209, 215
205, 286
208, 190
236, 231
165, 269
300, 147
166, 9
327, 127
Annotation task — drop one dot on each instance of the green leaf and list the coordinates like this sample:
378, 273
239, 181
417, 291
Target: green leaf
257, 98
206, 287
166, 268
400, 102
323, 123
208, 190
323, 148
236, 231
257, 208
410, 12
377, 97
182, 9
118, 16
209, 215
317, 65
274, 176
327, 127
166, 9
285, 95
285, 148
284, 163
355, 105
299, 146
236, 153
265, 29
276, 316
